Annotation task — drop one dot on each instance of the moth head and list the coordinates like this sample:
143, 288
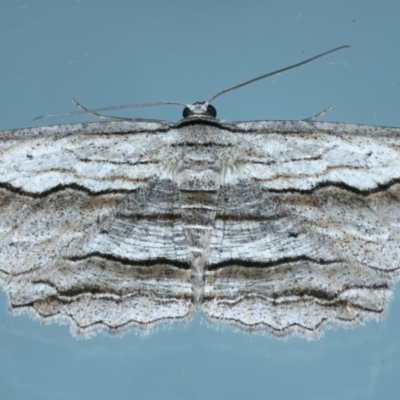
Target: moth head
199, 108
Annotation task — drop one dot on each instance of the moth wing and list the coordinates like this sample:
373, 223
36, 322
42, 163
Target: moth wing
314, 241
63, 187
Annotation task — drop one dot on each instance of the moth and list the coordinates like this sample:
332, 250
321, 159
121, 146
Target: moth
284, 227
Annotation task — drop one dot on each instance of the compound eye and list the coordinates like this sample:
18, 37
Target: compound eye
186, 112
211, 111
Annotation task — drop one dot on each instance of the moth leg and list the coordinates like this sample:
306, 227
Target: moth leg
319, 115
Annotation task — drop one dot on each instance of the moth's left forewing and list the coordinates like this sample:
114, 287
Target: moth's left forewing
96, 157
65, 195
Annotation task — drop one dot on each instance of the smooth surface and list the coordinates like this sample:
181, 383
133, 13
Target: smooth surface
108, 54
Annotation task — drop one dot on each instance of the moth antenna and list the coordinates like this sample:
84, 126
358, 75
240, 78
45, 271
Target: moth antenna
275, 72
94, 112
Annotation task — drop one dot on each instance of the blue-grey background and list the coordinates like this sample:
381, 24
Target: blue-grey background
124, 51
